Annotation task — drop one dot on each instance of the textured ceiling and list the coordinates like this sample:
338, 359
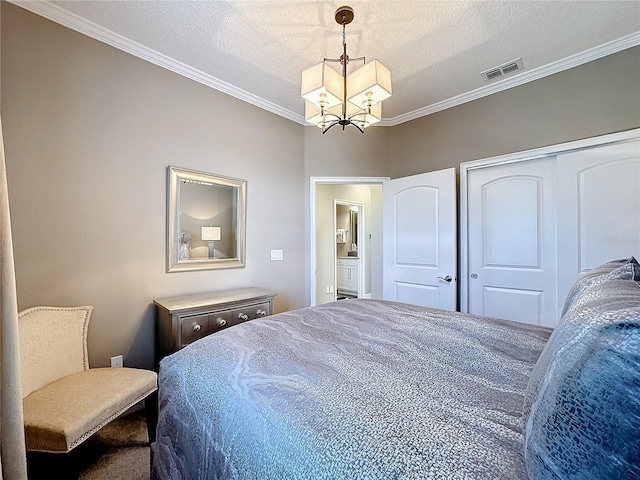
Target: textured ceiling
434, 49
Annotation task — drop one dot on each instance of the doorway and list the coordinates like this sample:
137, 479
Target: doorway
324, 192
440, 287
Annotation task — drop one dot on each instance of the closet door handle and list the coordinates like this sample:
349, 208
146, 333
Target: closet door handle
447, 279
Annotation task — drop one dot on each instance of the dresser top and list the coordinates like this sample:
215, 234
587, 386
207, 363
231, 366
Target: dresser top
188, 302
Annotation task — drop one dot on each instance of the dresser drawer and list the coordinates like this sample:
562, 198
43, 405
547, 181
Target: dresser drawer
193, 328
220, 320
252, 311
348, 262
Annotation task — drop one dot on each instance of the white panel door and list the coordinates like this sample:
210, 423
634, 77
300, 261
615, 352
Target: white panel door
512, 241
598, 209
420, 244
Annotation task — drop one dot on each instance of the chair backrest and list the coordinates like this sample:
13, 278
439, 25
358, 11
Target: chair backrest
53, 344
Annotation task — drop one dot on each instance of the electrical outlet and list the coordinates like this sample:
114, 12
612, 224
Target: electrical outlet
117, 361
277, 255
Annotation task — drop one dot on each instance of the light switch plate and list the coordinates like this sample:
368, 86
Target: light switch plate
277, 255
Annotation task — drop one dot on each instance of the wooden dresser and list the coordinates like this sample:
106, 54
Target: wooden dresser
184, 319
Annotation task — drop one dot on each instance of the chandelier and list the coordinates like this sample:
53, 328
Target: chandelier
345, 99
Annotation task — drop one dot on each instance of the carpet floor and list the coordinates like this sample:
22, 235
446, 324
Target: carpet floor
120, 451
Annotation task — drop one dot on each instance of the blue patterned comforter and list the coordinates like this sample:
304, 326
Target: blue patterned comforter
357, 389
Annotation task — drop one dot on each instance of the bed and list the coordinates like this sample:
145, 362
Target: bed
369, 389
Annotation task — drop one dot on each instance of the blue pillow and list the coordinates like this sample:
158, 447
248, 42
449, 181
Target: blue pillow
597, 275
569, 325
582, 408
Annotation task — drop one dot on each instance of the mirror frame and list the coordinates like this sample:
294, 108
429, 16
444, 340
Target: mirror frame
174, 177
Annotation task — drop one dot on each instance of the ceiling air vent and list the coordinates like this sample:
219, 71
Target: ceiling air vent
502, 70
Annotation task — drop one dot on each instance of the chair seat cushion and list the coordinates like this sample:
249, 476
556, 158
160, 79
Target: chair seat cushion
64, 413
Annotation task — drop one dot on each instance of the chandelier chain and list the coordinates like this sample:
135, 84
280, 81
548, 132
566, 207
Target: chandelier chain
344, 31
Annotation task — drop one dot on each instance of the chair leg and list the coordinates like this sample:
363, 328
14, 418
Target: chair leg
151, 414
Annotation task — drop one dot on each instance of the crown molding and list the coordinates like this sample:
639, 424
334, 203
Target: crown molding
586, 56
70, 20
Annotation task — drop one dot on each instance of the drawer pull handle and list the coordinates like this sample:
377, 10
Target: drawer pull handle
262, 313
221, 321
243, 316
196, 327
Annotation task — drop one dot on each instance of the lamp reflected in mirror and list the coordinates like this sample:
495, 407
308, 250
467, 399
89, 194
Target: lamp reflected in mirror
210, 235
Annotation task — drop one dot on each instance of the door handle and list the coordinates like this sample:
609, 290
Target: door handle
447, 279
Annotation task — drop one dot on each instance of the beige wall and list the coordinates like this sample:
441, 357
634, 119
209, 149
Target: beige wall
347, 153
593, 99
89, 132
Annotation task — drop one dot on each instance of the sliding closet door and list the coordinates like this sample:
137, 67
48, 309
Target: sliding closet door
512, 241
598, 209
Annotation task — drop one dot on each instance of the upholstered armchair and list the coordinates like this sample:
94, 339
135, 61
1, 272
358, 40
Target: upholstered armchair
65, 401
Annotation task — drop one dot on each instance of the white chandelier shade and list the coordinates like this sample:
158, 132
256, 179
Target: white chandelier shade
322, 86
369, 85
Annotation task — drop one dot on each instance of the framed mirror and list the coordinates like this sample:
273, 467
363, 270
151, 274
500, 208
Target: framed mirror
354, 228
206, 221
